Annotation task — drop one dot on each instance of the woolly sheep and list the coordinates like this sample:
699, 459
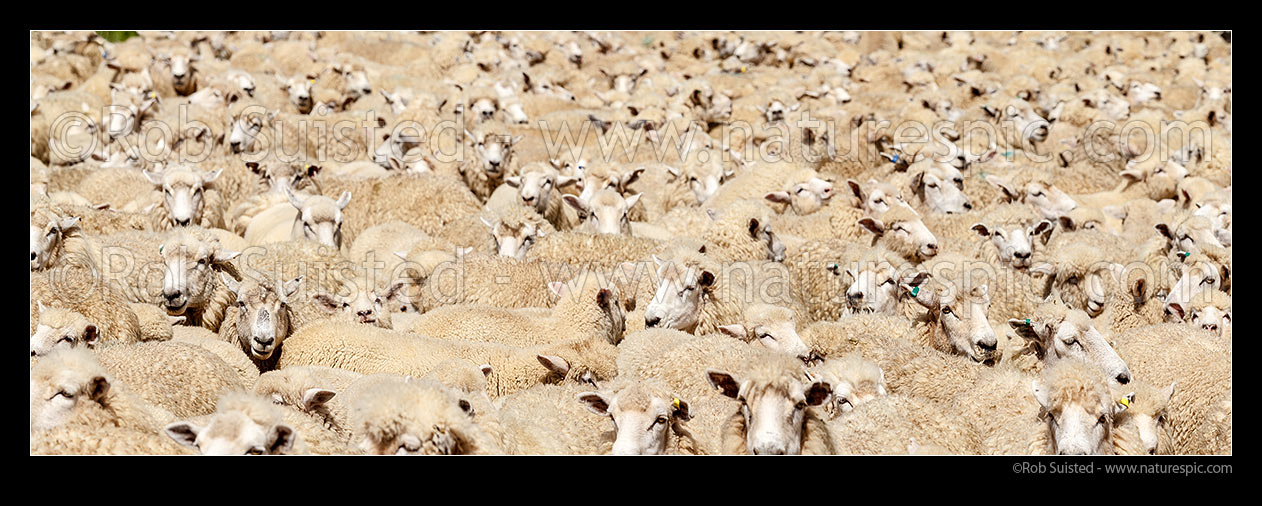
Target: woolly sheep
242, 424
392, 416
775, 416
182, 378
885, 424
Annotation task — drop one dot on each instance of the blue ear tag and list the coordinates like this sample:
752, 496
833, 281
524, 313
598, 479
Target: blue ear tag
1007, 154
895, 159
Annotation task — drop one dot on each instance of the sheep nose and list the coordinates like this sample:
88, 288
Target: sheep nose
987, 346
33, 255
265, 341
182, 222
1124, 378
1022, 254
365, 313
856, 296
968, 206
236, 146
170, 296
932, 247
1211, 326
493, 163
652, 322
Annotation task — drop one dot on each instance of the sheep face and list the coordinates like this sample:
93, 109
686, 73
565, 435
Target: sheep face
319, 218
642, 421
963, 319
242, 80
281, 177
1160, 178
874, 288
1191, 235
233, 433
61, 328
58, 391
940, 187
246, 128
535, 185
1079, 413
1213, 319
511, 241
299, 91
355, 82
596, 179
1074, 337
364, 306
677, 302
1147, 415
774, 409
493, 151
806, 197
907, 235
484, 108
1195, 280
874, 196
46, 239
606, 213
1049, 200
182, 70
182, 192
1015, 243
262, 314
774, 327
189, 281
704, 179
1027, 124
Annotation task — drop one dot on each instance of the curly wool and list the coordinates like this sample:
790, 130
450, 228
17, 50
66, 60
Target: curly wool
182, 378
78, 289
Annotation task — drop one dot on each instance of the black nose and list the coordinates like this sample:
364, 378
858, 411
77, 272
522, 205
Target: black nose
987, 346
182, 223
652, 322
968, 206
494, 163
1124, 378
33, 256
264, 341
1022, 254
855, 296
365, 313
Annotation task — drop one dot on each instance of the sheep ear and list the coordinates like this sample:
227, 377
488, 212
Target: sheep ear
1168, 392
1044, 226
1044, 268
674, 172
723, 382
184, 433
631, 177
1123, 403
231, 283
855, 188
566, 181
595, 402
291, 287
1003, 184
1133, 175
554, 363
981, 230
1177, 309
633, 199
489, 224
68, 223
280, 439
1165, 230
575, 202
1040, 393
90, 335
513, 181
486, 369
818, 392
706, 279
293, 199
211, 176
155, 178
873, 225
344, 200
735, 330
1024, 328
224, 255
602, 297
778, 197
316, 397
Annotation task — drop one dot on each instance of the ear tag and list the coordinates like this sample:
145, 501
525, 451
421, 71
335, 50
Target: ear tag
915, 290
1027, 322
1007, 154
1124, 401
895, 159
675, 402
1184, 254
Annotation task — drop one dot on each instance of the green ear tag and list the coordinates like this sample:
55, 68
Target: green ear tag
915, 290
1027, 321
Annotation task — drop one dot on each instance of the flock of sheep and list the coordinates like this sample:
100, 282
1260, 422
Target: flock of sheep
630, 243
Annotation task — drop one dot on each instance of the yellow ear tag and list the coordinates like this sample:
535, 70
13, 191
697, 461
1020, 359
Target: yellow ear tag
1125, 402
744, 69
311, 81
675, 403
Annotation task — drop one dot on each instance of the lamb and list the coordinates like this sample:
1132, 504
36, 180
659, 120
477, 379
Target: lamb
775, 418
383, 351
181, 378
588, 311
1200, 363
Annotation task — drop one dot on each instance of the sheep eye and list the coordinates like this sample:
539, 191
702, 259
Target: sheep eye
1103, 420
662, 420
767, 336
255, 451
63, 393
879, 201
68, 339
932, 185
344, 304
888, 281
1073, 280
1037, 194
947, 310
800, 405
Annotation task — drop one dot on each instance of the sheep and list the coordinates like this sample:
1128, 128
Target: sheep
383, 351
1054, 332
393, 416
1083, 279
884, 425
1210, 310
855, 381
179, 377
1200, 363
782, 183
899, 230
79, 409
242, 424
319, 218
742, 231
773, 326
1140, 429
1079, 407
80, 291
427, 201
775, 416
187, 197
60, 328
535, 183
493, 156
606, 212
555, 420
588, 311
54, 237
696, 294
